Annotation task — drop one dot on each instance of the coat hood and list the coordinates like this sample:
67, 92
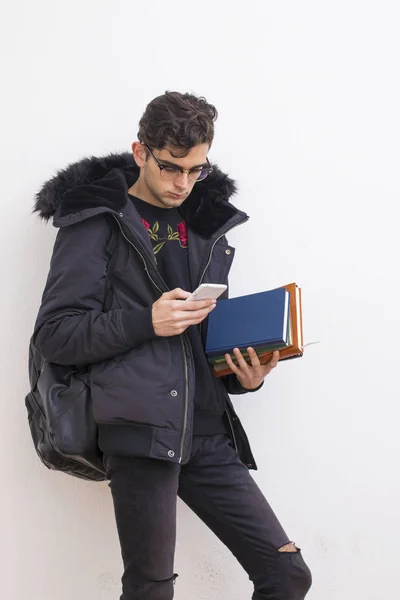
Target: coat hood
96, 184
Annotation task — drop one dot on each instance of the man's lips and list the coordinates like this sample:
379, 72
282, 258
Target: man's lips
177, 196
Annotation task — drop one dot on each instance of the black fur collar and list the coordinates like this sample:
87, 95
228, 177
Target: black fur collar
103, 182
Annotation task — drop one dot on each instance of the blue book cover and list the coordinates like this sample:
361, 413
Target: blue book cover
256, 320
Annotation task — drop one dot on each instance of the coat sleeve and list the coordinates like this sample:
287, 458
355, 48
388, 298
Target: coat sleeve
72, 326
233, 385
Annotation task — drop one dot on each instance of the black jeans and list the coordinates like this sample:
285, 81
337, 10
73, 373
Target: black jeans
220, 490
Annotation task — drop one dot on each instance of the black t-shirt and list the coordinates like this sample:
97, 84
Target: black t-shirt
169, 236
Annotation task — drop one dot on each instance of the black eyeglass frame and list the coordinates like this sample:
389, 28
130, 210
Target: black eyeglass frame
208, 169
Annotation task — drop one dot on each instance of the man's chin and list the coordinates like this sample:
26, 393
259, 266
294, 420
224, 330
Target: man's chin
172, 201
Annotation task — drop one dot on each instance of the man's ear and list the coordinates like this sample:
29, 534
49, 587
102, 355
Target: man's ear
139, 153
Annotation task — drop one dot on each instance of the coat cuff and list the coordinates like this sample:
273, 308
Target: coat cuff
233, 385
137, 326
255, 389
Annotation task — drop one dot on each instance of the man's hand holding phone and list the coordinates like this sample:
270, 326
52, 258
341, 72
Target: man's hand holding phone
171, 316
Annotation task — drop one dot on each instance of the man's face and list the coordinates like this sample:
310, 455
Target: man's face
170, 193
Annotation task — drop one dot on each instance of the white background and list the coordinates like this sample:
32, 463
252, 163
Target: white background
308, 95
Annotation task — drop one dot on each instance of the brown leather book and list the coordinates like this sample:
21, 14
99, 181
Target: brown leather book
296, 347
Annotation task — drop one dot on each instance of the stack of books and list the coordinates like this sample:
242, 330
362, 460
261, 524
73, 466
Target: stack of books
265, 321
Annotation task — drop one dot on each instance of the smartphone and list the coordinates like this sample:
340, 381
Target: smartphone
207, 291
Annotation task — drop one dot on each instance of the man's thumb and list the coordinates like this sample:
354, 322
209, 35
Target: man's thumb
176, 294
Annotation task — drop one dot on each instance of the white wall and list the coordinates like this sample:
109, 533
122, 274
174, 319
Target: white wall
308, 94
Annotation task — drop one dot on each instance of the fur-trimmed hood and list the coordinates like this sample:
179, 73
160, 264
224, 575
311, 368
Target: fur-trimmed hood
98, 184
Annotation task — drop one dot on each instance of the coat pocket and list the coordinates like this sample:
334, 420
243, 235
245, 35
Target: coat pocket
144, 385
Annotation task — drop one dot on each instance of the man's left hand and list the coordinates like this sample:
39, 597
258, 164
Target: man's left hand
251, 375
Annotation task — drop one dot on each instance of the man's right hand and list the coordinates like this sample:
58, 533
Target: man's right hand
172, 316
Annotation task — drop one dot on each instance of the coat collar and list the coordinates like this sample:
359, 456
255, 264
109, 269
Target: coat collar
94, 185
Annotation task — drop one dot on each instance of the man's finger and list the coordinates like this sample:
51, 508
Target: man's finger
193, 305
275, 359
241, 361
193, 315
272, 363
176, 294
234, 368
255, 361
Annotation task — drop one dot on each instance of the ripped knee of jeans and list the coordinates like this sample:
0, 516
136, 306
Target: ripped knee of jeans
292, 577
289, 547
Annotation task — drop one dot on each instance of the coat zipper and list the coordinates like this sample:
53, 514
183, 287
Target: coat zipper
185, 412
186, 399
217, 240
210, 256
140, 254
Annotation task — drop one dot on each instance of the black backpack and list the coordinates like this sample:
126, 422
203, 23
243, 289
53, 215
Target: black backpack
60, 413
61, 420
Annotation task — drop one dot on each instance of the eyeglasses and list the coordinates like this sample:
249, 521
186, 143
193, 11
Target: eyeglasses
173, 172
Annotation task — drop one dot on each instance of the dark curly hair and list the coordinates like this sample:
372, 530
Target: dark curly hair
177, 121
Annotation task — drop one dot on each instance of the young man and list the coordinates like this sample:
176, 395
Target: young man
137, 235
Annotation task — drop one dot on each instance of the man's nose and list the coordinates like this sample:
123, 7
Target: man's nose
182, 180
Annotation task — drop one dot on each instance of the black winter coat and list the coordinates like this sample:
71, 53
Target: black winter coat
96, 307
